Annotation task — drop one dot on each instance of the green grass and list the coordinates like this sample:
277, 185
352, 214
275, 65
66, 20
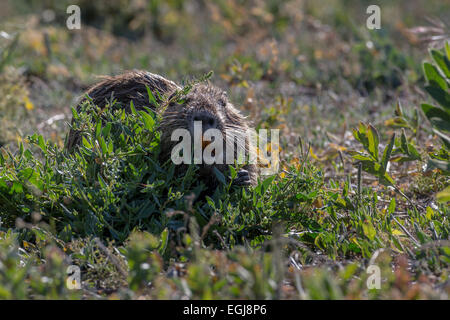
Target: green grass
348, 195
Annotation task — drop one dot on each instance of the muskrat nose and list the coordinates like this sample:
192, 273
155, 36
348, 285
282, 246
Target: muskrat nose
208, 120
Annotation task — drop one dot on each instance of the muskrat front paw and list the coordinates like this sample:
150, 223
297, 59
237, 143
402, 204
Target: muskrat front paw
242, 179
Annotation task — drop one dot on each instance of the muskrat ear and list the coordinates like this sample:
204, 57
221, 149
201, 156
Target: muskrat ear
222, 102
223, 99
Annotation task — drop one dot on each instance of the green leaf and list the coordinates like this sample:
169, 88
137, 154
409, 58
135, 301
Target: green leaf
386, 180
110, 147
26, 173
435, 112
371, 167
233, 172
86, 143
404, 143
441, 96
101, 140
74, 113
429, 213
42, 144
358, 156
442, 165
106, 130
433, 76
98, 129
399, 109
101, 182
437, 116
151, 97
133, 109
164, 241
16, 187
372, 135
387, 153
413, 153
444, 138
267, 182
397, 122
442, 61
149, 122
21, 150
391, 208
444, 195
211, 202
361, 136
369, 230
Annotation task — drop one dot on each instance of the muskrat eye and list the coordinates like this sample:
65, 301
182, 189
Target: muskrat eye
222, 102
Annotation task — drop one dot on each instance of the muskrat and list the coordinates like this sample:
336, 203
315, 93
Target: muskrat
204, 102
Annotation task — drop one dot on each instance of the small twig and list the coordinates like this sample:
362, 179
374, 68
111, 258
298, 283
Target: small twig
214, 219
406, 231
408, 199
221, 240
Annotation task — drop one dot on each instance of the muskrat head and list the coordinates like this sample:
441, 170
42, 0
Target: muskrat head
206, 106
209, 107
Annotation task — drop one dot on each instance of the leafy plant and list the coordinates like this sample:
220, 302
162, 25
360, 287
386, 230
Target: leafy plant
371, 161
437, 75
110, 185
